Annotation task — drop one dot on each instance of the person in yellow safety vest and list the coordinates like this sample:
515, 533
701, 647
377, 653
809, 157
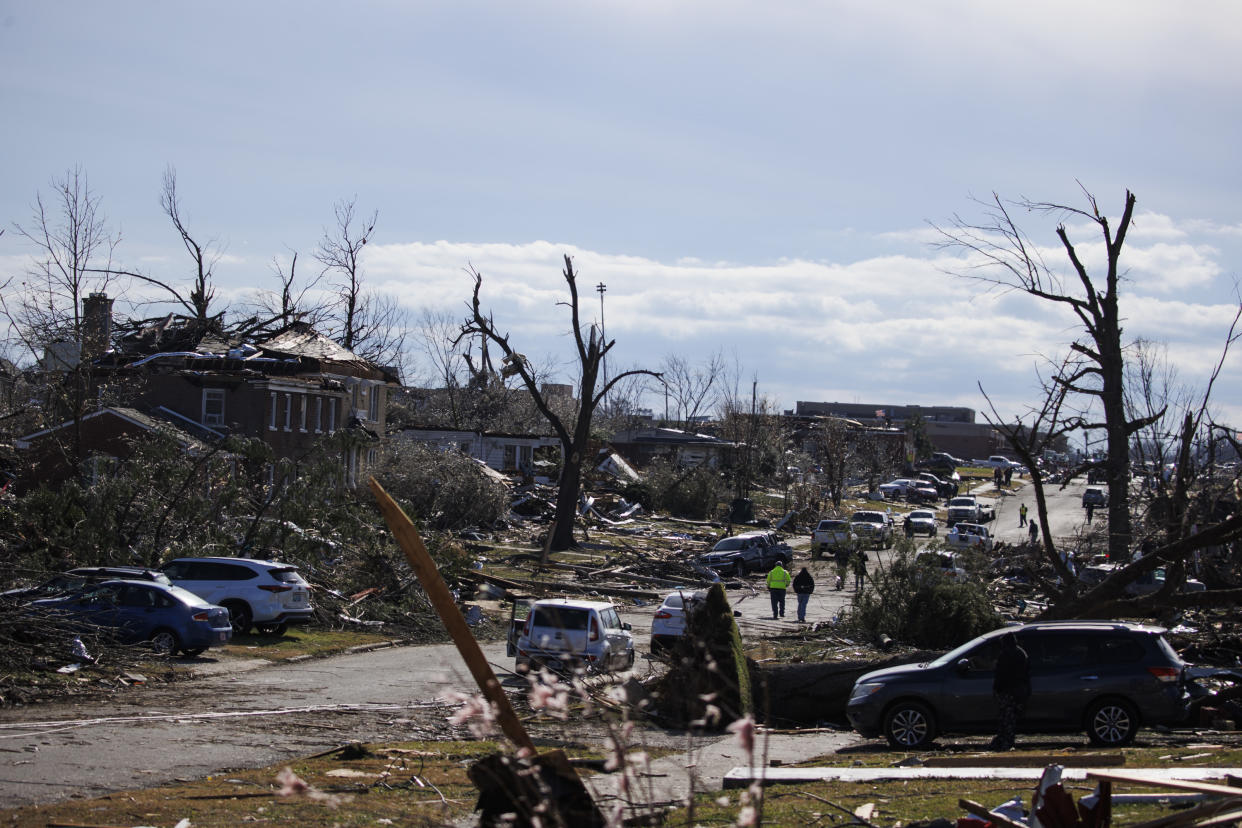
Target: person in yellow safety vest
1022, 515
778, 582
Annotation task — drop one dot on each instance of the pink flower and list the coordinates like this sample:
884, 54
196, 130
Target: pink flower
745, 730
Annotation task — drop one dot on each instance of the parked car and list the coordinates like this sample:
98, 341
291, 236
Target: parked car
961, 513
920, 491
895, 489
985, 508
79, 577
829, 535
873, 527
945, 563
669, 623
1094, 496
920, 522
170, 618
565, 635
969, 536
946, 486
1107, 678
266, 594
1144, 584
747, 552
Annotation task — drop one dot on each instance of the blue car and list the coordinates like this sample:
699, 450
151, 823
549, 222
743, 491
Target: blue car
170, 618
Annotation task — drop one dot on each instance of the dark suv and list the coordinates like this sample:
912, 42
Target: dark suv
1104, 677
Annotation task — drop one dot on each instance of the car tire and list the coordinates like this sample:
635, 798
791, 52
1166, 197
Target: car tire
909, 725
239, 616
272, 629
1111, 723
164, 642
629, 661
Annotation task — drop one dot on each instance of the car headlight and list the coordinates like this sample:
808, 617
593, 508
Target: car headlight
862, 691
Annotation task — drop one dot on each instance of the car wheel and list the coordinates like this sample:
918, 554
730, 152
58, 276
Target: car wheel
239, 616
908, 725
164, 642
629, 661
272, 629
1111, 723
193, 652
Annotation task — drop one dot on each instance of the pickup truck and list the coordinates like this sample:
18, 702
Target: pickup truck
996, 461
969, 536
873, 527
747, 552
986, 511
831, 535
945, 486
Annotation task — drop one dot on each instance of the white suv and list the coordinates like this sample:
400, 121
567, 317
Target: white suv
267, 594
563, 635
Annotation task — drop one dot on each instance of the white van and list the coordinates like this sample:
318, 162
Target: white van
564, 635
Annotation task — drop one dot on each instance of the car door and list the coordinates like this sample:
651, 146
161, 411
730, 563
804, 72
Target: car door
967, 691
518, 614
1064, 679
618, 637
142, 610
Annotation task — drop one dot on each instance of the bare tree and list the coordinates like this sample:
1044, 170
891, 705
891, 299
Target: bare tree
369, 324
1010, 261
575, 433
202, 292
1092, 391
691, 387
69, 234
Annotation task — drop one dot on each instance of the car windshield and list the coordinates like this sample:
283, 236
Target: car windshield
729, 545
867, 517
922, 516
562, 618
832, 524
954, 655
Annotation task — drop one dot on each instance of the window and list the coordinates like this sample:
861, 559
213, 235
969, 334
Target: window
524, 458
373, 405
510, 461
271, 423
213, 406
288, 412
302, 400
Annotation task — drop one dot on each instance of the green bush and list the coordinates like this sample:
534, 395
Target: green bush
916, 605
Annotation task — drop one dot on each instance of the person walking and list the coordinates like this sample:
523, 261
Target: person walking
1034, 533
1090, 511
803, 586
842, 556
1022, 516
860, 569
1011, 687
778, 582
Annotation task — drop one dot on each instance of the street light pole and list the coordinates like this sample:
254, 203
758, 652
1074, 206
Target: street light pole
601, 287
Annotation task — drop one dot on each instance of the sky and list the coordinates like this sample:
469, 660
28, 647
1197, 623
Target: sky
758, 179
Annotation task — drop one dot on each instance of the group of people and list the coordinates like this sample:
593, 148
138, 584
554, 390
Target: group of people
779, 582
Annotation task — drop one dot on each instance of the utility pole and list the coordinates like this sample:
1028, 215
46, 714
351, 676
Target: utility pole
602, 288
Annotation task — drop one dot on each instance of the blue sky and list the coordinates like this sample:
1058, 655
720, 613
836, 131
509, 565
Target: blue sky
757, 177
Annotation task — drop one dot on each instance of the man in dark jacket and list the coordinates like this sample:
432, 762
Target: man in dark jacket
1011, 687
803, 585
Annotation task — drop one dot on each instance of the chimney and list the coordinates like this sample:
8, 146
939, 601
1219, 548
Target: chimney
96, 325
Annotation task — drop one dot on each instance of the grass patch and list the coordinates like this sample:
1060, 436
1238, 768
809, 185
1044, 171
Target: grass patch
297, 641
411, 783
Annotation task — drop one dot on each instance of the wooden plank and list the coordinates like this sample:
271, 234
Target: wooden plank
1136, 778
1026, 760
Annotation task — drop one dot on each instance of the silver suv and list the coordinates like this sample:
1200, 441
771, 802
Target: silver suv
266, 594
1107, 678
565, 635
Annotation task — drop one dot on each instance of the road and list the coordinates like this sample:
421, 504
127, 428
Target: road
251, 713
